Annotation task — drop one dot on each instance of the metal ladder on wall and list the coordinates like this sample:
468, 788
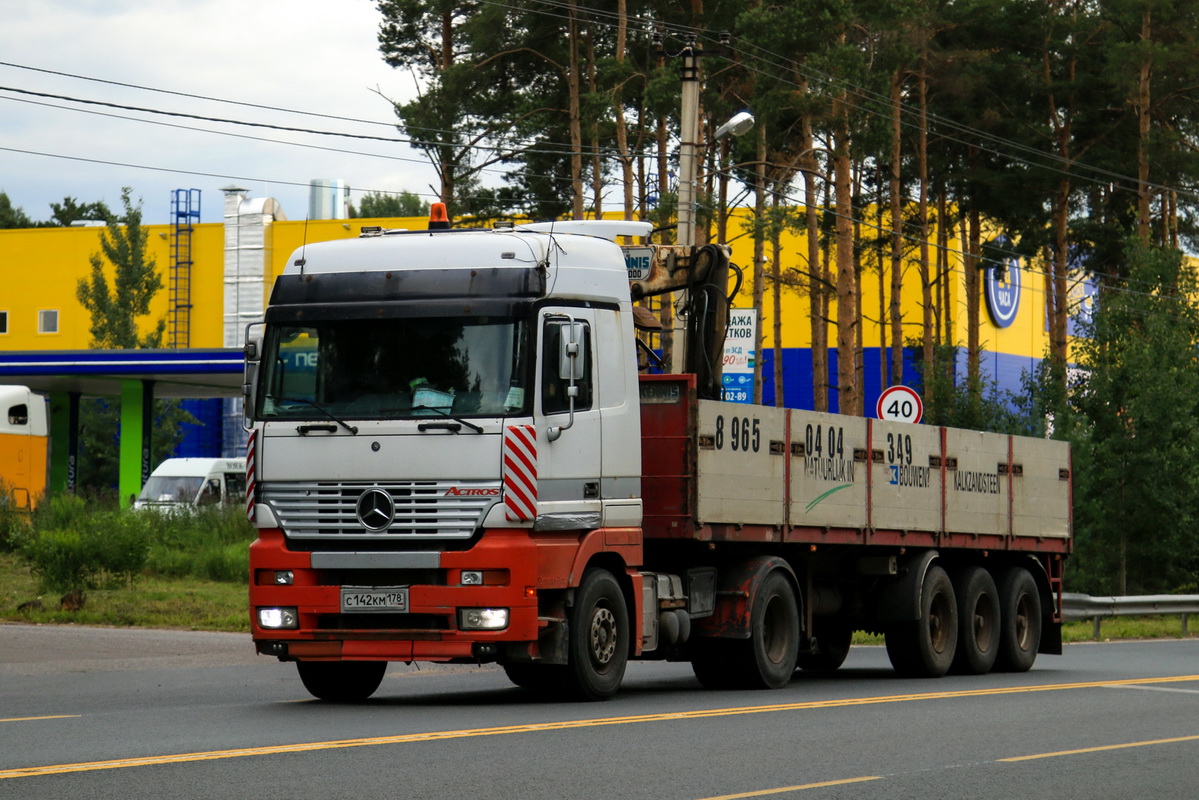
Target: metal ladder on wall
185, 214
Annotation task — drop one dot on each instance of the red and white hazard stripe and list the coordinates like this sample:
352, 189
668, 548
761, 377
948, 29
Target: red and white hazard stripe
251, 472
520, 473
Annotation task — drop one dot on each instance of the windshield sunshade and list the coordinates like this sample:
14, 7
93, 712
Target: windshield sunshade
393, 368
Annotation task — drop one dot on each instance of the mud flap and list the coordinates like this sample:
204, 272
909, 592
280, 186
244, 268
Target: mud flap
735, 591
1051, 637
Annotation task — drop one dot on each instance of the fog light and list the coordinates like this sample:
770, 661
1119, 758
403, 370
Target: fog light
278, 618
472, 577
482, 619
284, 577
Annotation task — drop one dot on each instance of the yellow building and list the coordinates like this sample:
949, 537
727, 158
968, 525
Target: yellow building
234, 265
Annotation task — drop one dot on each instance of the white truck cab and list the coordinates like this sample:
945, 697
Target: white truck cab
191, 482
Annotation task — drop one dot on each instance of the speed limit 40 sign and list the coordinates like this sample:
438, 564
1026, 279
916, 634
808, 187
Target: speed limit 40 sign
899, 404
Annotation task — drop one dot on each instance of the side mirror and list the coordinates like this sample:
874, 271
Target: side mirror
253, 353
570, 366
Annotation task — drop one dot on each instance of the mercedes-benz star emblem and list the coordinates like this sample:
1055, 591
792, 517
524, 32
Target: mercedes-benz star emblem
376, 509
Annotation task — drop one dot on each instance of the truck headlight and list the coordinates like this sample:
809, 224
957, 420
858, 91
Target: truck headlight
482, 619
278, 618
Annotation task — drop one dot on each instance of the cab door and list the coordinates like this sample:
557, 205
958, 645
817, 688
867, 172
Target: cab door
569, 444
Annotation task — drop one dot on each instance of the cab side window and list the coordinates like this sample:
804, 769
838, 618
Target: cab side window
18, 415
555, 375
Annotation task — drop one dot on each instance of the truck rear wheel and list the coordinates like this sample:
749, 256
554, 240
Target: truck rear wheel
341, 681
599, 637
767, 659
978, 622
1020, 621
774, 641
924, 648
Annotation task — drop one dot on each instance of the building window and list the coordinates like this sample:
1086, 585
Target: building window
3, 322
47, 321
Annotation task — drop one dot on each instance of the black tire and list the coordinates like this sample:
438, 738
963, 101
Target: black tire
599, 638
341, 681
536, 677
978, 622
774, 640
833, 638
767, 659
925, 647
717, 662
1020, 621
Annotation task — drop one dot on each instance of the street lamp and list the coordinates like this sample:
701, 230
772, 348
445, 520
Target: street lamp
739, 124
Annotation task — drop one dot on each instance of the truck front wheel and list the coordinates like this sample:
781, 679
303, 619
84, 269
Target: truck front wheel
599, 637
341, 681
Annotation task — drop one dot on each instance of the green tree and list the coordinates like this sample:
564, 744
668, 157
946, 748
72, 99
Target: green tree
71, 210
115, 311
11, 216
377, 204
1135, 437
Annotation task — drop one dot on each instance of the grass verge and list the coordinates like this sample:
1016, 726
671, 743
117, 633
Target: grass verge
185, 603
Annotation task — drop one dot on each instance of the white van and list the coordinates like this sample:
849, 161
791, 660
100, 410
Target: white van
179, 482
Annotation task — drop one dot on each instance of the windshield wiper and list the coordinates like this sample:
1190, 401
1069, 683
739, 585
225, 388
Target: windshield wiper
448, 415
351, 428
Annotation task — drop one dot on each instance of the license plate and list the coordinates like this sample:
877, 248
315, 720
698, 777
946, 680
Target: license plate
374, 599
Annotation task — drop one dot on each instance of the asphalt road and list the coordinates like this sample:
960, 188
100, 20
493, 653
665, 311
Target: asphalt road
102, 713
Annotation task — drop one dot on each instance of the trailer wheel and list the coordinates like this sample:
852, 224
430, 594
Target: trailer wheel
978, 622
1020, 621
341, 681
833, 638
924, 648
599, 638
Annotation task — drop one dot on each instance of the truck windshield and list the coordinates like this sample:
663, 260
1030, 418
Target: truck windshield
393, 368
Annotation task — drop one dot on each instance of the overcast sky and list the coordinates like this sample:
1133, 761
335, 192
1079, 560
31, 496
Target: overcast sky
318, 56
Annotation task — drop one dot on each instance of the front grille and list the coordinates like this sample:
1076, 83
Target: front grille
423, 509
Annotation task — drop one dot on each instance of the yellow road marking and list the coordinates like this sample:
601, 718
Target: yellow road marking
411, 738
1102, 748
801, 787
31, 719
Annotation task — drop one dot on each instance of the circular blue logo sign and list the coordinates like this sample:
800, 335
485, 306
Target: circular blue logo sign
1001, 286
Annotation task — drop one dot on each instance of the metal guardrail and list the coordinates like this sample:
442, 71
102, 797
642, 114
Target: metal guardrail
1083, 606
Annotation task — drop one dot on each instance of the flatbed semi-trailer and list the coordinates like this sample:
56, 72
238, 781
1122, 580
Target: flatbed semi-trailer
453, 457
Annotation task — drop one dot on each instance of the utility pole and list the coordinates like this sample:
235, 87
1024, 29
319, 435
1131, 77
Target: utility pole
689, 147
688, 144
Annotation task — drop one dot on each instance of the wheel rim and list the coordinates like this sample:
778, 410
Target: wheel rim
984, 626
939, 616
774, 630
1023, 628
603, 636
